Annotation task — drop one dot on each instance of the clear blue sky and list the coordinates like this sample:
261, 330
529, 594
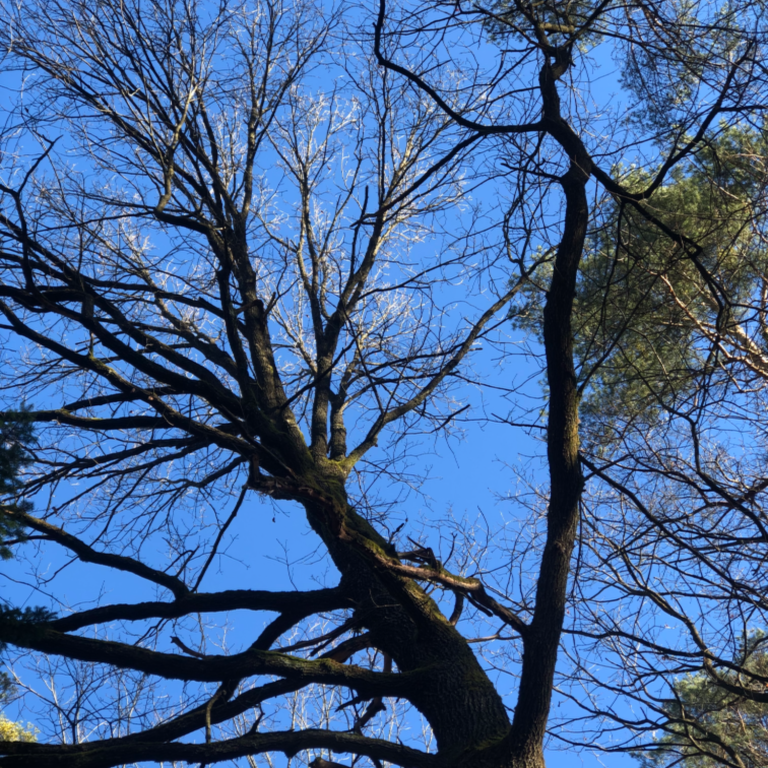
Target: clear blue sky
464, 476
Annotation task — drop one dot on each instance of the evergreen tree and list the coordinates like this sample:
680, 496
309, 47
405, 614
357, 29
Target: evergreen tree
15, 436
652, 322
710, 726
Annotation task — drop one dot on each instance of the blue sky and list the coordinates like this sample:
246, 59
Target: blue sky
471, 476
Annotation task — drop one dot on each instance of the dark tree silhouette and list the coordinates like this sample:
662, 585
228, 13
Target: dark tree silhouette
212, 270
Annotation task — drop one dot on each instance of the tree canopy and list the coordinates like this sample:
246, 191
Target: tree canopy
249, 255
709, 726
15, 440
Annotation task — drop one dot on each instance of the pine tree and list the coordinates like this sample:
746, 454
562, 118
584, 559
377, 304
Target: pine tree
710, 726
15, 436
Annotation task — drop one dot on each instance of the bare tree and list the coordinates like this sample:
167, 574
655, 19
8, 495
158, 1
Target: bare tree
214, 272
663, 300
675, 522
222, 271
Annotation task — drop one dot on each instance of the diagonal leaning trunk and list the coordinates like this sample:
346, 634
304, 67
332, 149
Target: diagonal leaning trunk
466, 713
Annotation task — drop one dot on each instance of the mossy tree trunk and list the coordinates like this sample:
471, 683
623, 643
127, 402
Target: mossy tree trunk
269, 348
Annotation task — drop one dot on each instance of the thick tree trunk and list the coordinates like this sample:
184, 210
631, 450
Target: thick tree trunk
466, 713
457, 698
